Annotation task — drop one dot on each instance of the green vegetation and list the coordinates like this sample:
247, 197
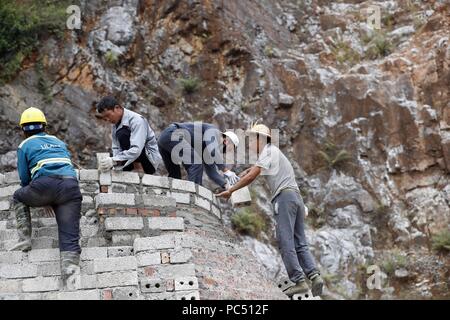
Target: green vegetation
269, 51
42, 84
441, 241
345, 54
22, 25
395, 261
380, 46
111, 58
249, 223
333, 156
190, 85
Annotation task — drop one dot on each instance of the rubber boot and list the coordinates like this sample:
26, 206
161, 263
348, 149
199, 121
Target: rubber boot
23, 218
316, 285
70, 262
300, 288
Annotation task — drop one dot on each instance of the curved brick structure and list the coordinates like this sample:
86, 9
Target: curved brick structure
143, 237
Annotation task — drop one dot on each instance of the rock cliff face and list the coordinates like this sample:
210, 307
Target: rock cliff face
364, 114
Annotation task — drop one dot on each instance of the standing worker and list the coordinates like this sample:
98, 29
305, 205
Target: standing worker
201, 147
133, 141
47, 179
289, 210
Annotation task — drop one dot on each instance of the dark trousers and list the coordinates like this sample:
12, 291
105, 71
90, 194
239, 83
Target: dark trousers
64, 196
289, 216
123, 136
165, 145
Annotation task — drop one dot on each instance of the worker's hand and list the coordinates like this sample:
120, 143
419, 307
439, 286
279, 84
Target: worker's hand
106, 164
225, 194
306, 211
231, 177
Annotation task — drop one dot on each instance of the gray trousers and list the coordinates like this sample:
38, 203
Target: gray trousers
289, 216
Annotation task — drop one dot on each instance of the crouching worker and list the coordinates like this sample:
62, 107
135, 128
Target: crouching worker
289, 210
198, 146
134, 143
47, 179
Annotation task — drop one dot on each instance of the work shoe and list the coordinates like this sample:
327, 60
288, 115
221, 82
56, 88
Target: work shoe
300, 288
23, 218
69, 266
316, 285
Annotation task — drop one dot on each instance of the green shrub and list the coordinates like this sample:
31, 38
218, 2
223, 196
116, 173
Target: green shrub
441, 241
380, 46
333, 156
111, 58
396, 260
248, 222
345, 54
22, 25
190, 85
42, 85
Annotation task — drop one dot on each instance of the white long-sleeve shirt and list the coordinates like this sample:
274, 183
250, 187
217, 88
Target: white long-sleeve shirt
142, 136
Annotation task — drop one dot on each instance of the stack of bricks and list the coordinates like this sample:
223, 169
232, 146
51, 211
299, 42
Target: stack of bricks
142, 237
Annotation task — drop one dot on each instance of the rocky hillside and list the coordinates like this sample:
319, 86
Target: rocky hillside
364, 114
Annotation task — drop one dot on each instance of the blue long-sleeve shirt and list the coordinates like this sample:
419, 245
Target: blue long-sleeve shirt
43, 155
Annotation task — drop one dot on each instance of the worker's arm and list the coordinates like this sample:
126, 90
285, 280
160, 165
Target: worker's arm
137, 141
252, 174
22, 167
115, 145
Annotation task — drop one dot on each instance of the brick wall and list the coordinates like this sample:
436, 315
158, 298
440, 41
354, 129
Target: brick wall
142, 236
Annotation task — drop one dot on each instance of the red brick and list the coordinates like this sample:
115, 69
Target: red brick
132, 211
143, 212
170, 285
149, 271
104, 189
101, 211
107, 294
155, 213
112, 211
120, 211
172, 214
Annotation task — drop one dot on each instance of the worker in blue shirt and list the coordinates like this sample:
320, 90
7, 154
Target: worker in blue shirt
47, 179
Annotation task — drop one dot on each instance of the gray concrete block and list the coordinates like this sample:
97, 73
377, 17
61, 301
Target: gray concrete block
241, 198
94, 253
123, 223
172, 271
153, 285
117, 279
9, 234
155, 181
183, 185
89, 175
114, 199
12, 177
187, 295
9, 190
216, 211
166, 223
3, 225
46, 222
41, 284
159, 201
39, 255
87, 281
186, 283
44, 243
180, 197
47, 269
121, 251
180, 255
105, 178
202, 203
205, 193
305, 296
126, 293
148, 258
125, 177
12, 257
115, 264
154, 243
10, 286
123, 239
79, 295
4, 205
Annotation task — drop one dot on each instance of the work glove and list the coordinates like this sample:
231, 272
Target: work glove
106, 164
231, 177
48, 212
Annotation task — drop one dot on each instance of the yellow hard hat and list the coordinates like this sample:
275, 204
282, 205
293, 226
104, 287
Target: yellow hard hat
32, 115
260, 129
